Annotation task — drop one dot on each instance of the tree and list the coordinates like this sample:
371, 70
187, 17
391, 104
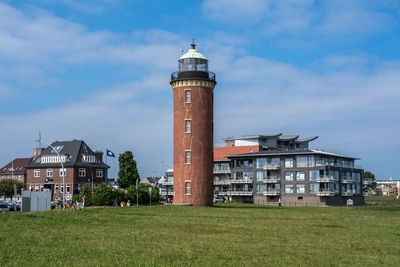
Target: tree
369, 176
128, 173
7, 187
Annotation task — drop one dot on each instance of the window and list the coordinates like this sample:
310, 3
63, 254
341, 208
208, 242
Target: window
289, 163
300, 189
56, 188
314, 188
187, 157
187, 188
68, 188
49, 173
314, 174
63, 172
188, 95
334, 175
261, 175
260, 188
89, 158
300, 176
30, 187
36, 173
99, 173
305, 161
62, 188
289, 176
242, 163
36, 187
82, 172
288, 189
187, 126
41, 187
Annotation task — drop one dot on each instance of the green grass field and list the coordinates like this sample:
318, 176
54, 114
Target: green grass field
225, 235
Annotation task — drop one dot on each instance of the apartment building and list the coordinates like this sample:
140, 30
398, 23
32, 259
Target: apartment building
262, 169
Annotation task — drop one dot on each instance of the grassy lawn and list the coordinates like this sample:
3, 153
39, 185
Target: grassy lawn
225, 235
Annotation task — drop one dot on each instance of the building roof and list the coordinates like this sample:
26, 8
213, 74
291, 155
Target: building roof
73, 150
256, 136
17, 164
290, 152
193, 53
288, 137
308, 139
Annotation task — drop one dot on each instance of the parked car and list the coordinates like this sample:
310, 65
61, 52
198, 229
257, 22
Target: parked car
4, 208
219, 200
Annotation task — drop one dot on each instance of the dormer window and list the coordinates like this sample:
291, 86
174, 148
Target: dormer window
89, 158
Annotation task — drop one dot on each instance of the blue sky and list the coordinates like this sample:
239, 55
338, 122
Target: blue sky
99, 71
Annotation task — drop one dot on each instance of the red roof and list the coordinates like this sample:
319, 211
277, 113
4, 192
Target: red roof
220, 153
18, 164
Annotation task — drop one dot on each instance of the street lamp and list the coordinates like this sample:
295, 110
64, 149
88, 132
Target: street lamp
62, 167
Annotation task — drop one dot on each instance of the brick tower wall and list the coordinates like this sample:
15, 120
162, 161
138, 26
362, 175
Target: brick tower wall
199, 141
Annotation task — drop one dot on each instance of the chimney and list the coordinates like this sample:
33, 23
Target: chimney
36, 152
99, 155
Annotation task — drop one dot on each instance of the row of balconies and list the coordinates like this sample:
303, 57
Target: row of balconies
323, 193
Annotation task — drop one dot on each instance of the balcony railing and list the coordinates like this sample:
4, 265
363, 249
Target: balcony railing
170, 193
242, 181
240, 193
347, 180
326, 179
367, 182
218, 171
326, 193
222, 182
347, 194
272, 179
271, 167
193, 75
272, 193
169, 183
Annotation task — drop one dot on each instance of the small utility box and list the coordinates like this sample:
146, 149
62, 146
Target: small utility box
36, 201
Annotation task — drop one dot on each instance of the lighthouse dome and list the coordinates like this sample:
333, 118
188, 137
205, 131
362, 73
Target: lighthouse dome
193, 53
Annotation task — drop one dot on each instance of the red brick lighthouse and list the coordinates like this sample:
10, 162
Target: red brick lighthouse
193, 87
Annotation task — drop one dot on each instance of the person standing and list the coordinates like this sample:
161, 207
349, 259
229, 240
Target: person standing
280, 202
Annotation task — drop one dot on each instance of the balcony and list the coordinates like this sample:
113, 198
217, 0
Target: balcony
326, 179
347, 194
241, 181
170, 193
222, 182
272, 179
326, 193
169, 183
367, 182
240, 193
272, 193
190, 75
271, 167
347, 180
222, 171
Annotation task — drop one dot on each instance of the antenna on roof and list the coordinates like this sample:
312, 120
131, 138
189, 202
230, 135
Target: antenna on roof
193, 44
39, 140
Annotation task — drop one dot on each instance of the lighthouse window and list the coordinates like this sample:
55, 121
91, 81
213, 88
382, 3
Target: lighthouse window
187, 96
187, 126
187, 157
187, 188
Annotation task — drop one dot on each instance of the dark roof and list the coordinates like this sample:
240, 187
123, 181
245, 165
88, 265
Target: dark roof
274, 135
74, 150
288, 137
307, 139
17, 164
289, 152
153, 180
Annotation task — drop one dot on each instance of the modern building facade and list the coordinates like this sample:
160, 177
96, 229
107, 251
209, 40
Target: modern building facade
193, 87
262, 169
388, 187
81, 165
